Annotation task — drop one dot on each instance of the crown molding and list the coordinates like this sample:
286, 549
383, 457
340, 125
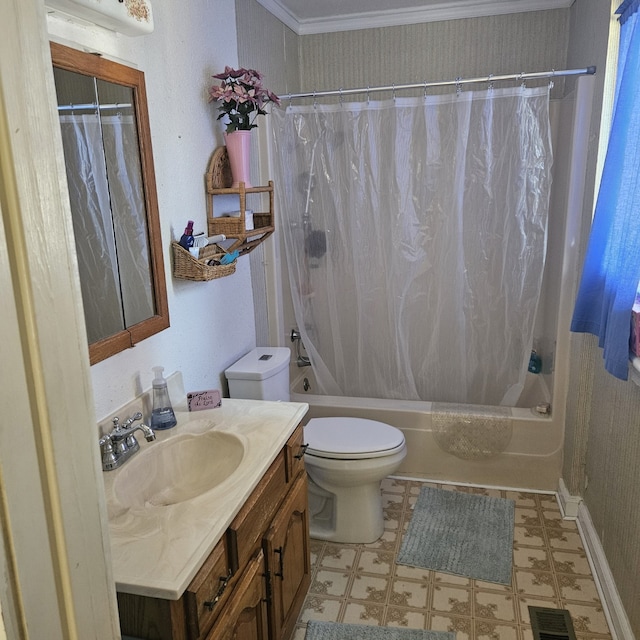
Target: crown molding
275, 8
452, 10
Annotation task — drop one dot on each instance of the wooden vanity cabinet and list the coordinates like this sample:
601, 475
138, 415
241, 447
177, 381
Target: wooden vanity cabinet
254, 582
274, 522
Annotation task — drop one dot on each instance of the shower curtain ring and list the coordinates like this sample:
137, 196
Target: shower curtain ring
368, 94
315, 99
490, 82
393, 90
341, 102
425, 89
553, 73
289, 100
523, 83
458, 86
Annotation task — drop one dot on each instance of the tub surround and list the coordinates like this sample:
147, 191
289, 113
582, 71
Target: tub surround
157, 550
531, 460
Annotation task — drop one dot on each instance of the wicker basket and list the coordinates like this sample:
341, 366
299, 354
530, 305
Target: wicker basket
186, 267
219, 171
231, 226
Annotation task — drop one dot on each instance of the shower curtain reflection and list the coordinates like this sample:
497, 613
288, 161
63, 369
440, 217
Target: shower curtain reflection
109, 221
415, 235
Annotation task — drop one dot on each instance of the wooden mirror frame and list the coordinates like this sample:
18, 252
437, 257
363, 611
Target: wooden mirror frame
90, 64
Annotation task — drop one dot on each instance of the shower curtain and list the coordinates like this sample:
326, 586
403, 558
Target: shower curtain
415, 238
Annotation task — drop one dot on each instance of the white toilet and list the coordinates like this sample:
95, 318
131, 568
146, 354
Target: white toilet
346, 458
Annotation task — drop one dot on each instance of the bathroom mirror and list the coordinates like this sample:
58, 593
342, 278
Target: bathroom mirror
104, 122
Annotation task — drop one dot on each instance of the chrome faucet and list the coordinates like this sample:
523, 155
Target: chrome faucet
301, 361
119, 445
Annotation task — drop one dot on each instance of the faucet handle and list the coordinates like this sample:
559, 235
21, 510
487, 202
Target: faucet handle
129, 421
108, 455
105, 441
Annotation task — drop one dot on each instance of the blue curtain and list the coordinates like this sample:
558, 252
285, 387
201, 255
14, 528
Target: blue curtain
612, 265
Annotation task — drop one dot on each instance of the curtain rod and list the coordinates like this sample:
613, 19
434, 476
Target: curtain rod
444, 83
93, 106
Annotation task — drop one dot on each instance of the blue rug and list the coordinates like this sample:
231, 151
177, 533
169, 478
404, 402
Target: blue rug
460, 533
337, 631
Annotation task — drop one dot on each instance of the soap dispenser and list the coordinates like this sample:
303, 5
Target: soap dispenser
162, 416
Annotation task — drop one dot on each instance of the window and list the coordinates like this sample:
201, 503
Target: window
611, 270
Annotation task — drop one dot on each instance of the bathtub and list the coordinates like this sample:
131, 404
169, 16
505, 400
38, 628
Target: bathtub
530, 458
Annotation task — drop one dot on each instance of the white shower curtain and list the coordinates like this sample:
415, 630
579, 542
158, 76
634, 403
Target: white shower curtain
433, 213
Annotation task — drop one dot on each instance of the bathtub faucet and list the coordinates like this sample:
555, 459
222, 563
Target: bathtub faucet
301, 361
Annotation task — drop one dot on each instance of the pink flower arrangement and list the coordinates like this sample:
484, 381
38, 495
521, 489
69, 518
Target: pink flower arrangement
242, 98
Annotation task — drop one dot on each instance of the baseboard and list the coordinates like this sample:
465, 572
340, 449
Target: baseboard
613, 608
568, 504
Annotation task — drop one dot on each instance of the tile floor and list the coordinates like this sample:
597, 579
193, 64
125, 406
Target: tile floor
362, 583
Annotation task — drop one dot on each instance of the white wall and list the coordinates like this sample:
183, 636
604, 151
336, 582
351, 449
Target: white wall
212, 323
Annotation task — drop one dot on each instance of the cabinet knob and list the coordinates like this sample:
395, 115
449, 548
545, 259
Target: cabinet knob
224, 581
300, 454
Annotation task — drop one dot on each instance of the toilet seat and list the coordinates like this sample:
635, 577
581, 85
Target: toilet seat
351, 438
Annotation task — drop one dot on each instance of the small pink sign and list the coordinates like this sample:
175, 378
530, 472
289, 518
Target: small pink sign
201, 400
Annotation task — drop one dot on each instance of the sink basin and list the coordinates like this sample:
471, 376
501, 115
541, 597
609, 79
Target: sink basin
177, 469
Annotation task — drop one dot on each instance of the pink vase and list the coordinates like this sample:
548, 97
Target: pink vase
239, 150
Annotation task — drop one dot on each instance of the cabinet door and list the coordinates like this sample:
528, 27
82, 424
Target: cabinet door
286, 546
245, 615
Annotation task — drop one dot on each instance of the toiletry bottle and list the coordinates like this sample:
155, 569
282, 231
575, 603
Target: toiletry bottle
162, 416
535, 362
186, 241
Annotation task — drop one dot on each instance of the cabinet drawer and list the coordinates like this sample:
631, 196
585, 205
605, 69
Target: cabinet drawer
245, 614
208, 591
248, 526
294, 452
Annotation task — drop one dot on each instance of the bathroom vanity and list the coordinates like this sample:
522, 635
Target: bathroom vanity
224, 551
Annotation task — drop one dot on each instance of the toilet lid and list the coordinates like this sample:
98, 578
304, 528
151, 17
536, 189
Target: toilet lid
351, 438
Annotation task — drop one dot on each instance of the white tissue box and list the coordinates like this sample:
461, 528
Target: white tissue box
248, 218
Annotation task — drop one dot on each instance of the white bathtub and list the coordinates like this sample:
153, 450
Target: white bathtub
531, 460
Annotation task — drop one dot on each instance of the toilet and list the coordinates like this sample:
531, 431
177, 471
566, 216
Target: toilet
346, 458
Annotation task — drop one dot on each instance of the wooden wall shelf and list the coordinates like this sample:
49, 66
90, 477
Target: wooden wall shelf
235, 228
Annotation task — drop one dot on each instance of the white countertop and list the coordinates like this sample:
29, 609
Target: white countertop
157, 550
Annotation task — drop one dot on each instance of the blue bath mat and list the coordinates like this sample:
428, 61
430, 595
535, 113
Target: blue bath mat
460, 533
317, 630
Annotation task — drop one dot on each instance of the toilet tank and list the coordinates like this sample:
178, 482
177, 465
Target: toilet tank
262, 374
